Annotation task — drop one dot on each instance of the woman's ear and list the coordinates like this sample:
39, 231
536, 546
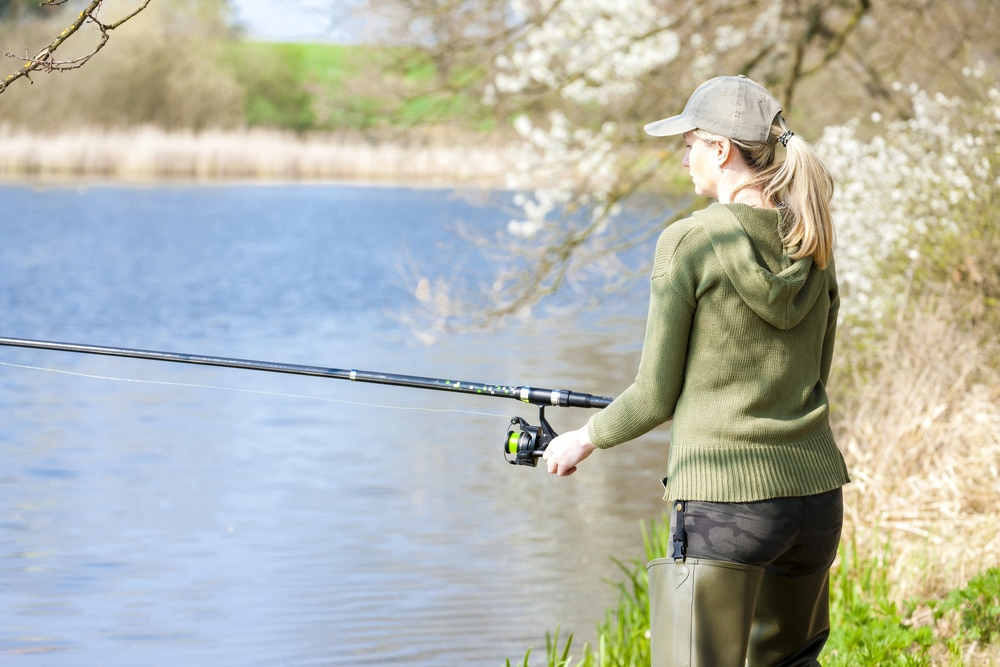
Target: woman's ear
723, 151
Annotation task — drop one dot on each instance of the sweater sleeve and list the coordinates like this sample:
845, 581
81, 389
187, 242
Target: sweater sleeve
652, 398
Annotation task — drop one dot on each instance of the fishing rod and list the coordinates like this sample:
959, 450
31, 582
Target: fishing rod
523, 445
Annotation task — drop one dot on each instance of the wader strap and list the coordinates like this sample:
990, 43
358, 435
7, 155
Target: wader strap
678, 539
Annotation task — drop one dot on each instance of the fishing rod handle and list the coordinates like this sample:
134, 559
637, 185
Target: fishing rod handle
563, 398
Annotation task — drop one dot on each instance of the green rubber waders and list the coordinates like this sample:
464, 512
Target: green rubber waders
701, 612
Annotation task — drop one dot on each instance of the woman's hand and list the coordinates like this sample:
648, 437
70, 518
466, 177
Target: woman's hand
567, 450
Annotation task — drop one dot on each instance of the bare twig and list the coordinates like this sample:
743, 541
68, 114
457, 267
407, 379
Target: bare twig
45, 61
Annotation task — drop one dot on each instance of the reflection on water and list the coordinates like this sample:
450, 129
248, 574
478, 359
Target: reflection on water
162, 514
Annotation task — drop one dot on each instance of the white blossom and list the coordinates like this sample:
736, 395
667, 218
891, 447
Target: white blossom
898, 193
588, 50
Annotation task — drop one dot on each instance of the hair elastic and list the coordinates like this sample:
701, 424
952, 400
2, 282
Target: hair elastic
783, 139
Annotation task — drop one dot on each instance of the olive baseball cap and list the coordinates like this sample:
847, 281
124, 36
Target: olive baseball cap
732, 106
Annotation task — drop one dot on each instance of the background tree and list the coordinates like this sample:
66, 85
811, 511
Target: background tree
167, 71
573, 82
13, 9
46, 60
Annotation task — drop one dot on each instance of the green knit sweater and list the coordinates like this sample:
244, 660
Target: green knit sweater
737, 352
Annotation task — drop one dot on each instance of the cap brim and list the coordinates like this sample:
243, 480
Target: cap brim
669, 127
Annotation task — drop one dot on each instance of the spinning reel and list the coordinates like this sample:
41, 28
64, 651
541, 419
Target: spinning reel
525, 443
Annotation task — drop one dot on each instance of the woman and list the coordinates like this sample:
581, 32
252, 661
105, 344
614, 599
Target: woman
737, 352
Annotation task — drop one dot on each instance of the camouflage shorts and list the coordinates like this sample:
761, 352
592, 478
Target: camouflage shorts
791, 537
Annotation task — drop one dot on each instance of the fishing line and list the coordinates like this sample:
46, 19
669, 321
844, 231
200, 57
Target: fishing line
524, 444
252, 391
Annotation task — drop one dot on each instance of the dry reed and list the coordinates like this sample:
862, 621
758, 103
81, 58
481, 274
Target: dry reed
150, 153
922, 440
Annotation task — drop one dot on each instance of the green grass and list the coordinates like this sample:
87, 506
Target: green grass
322, 87
869, 627
283, 82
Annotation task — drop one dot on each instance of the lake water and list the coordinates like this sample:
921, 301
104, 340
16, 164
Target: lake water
163, 514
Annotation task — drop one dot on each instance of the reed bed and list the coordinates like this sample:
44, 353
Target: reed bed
153, 153
921, 434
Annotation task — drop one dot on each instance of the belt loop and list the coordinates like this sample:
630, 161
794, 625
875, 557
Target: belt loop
678, 539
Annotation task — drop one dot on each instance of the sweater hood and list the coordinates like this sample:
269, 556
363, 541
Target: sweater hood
747, 243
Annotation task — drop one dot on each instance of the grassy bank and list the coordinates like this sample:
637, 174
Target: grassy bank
871, 626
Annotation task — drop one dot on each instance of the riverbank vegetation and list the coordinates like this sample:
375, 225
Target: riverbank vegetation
549, 98
182, 95
150, 153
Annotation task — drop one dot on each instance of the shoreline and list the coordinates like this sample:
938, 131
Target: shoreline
149, 154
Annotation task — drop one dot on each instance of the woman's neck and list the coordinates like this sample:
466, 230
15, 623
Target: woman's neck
751, 197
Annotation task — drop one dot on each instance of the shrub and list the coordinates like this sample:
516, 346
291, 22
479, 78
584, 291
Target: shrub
915, 205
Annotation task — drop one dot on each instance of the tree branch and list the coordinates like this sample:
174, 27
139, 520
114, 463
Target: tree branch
45, 62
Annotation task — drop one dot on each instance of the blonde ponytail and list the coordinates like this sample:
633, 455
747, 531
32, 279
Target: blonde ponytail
800, 184
804, 185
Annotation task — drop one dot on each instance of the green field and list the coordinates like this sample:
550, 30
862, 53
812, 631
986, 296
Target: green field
321, 87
